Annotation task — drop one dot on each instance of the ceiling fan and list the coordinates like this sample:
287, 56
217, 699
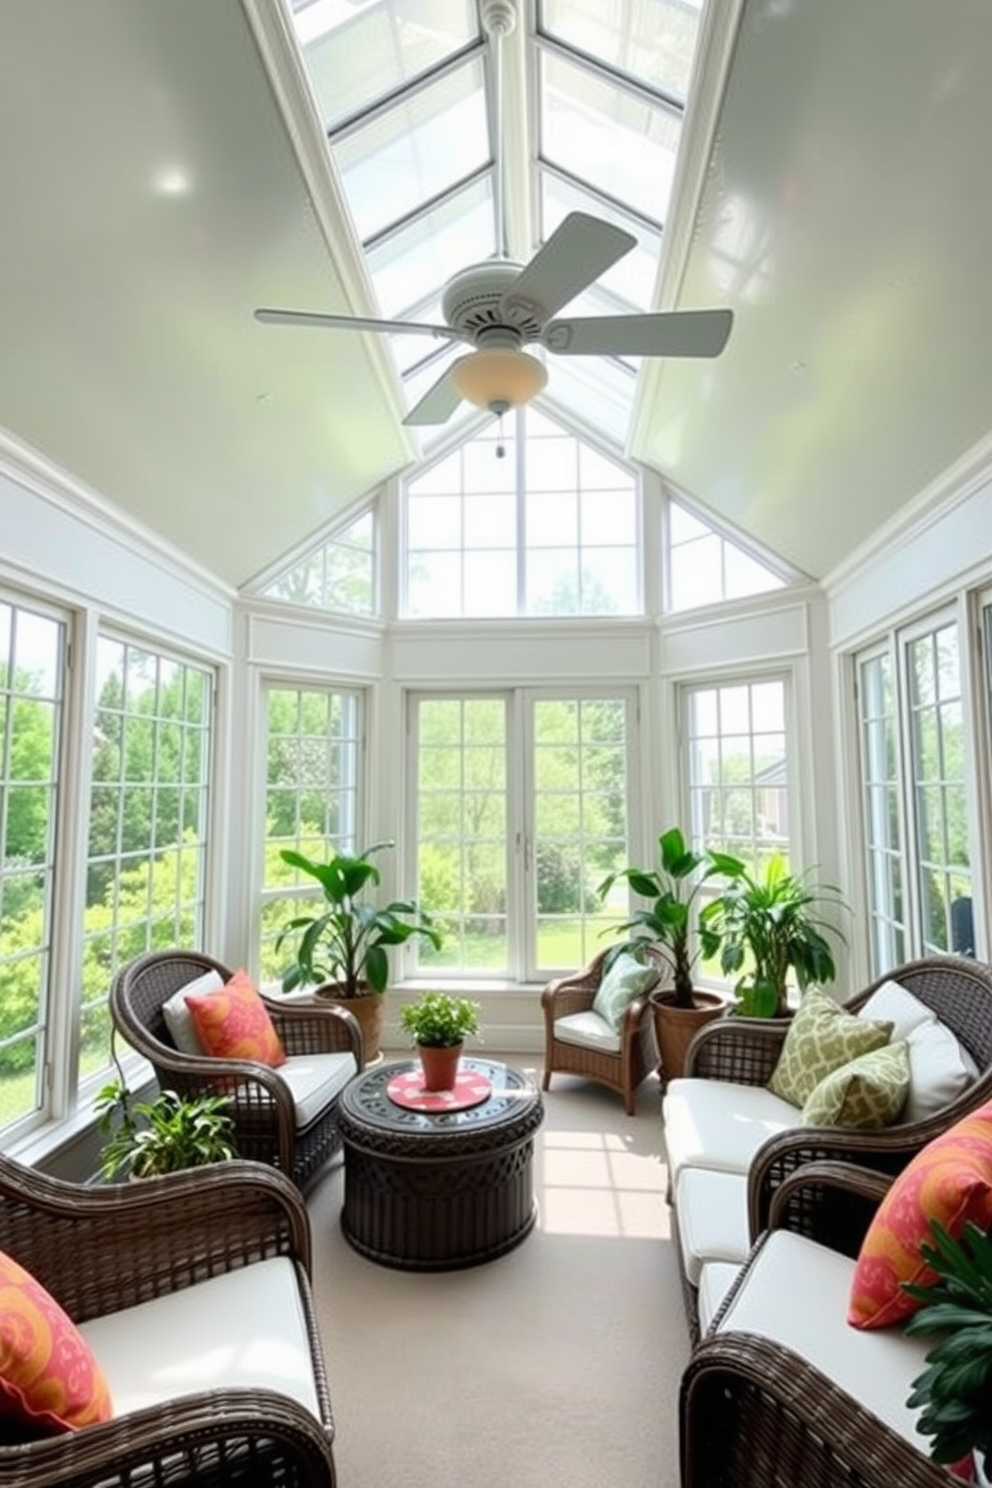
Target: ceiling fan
500, 306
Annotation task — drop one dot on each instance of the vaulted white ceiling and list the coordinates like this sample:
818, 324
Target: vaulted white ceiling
163, 171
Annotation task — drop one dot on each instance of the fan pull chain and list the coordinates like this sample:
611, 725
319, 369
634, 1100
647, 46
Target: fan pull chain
500, 446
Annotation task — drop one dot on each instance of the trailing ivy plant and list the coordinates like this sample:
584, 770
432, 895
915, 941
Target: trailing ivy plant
161, 1136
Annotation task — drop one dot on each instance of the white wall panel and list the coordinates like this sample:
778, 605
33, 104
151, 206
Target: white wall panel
525, 654
298, 643
732, 640
42, 539
937, 557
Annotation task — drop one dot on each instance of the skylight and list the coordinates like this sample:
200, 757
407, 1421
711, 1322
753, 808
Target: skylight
405, 91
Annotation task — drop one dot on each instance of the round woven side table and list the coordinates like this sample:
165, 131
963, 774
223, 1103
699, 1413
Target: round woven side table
434, 1191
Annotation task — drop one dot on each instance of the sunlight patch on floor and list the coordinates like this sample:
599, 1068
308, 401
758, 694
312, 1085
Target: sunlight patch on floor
591, 1185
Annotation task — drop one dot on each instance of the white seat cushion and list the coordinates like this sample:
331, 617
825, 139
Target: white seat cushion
795, 1293
718, 1124
715, 1281
244, 1329
315, 1080
589, 1031
711, 1213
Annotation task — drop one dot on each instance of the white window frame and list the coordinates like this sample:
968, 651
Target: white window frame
56, 1033
522, 967
305, 891
906, 636
795, 841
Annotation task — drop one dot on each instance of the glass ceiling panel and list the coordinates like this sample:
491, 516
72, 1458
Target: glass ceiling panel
616, 141
408, 266
410, 351
631, 280
651, 41
360, 51
593, 390
416, 150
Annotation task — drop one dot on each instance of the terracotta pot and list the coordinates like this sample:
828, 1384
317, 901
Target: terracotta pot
676, 1027
440, 1066
369, 1009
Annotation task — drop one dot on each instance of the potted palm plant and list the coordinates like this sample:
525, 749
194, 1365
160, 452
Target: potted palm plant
342, 952
671, 886
144, 1138
438, 1024
954, 1392
766, 924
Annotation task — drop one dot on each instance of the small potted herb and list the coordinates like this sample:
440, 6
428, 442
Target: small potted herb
438, 1024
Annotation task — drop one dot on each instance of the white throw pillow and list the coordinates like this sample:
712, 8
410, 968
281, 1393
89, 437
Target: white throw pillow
891, 1003
179, 1019
939, 1070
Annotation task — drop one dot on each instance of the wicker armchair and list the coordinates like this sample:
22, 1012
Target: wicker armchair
745, 1050
757, 1413
267, 1126
622, 1068
103, 1250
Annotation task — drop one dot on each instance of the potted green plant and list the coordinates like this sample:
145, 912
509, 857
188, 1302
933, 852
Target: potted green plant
342, 952
672, 887
438, 1024
766, 924
144, 1138
954, 1392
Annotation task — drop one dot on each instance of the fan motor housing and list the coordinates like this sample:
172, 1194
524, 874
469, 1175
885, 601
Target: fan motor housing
474, 302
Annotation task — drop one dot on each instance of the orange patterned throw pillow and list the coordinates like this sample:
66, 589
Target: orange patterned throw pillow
234, 1023
949, 1180
49, 1379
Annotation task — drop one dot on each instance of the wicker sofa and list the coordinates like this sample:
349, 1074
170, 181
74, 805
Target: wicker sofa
193, 1292
730, 1142
781, 1392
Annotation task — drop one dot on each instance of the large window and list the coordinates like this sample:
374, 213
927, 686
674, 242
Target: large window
915, 792
738, 775
940, 807
548, 527
521, 811
146, 861
339, 575
313, 751
704, 567
32, 645
880, 794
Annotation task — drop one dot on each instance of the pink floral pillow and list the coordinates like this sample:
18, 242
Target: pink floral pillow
950, 1180
234, 1023
49, 1379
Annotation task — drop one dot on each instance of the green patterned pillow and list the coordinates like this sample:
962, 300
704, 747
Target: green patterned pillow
869, 1091
821, 1037
625, 980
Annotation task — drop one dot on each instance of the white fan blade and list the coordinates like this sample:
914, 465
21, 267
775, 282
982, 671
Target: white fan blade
674, 333
438, 403
577, 252
355, 323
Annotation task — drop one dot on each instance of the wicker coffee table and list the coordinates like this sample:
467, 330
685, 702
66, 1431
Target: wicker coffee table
426, 1191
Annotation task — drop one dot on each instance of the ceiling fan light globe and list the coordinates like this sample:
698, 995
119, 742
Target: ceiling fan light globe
499, 379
